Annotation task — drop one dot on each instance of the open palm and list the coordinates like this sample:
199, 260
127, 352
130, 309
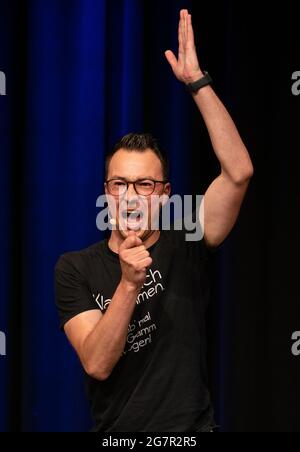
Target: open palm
186, 67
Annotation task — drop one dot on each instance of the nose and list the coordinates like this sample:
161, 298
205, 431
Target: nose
131, 196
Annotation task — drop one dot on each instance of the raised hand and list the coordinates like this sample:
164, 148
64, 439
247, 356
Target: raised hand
186, 68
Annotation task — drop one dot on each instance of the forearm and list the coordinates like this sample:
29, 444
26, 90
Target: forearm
104, 346
226, 141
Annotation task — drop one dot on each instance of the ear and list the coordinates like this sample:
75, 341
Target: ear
166, 195
167, 189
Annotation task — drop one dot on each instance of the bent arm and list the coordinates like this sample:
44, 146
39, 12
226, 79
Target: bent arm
98, 339
228, 146
224, 196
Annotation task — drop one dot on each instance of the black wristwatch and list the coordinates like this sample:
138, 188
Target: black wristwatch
195, 86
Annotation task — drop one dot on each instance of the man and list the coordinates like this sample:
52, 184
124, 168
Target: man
133, 306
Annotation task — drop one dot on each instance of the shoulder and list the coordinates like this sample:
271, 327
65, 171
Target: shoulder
191, 244
78, 260
188, 232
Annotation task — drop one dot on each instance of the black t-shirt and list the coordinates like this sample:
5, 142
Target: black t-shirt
159, 383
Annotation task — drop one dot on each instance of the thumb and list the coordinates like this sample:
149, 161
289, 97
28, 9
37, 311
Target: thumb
132, 236
171, 59
131, 241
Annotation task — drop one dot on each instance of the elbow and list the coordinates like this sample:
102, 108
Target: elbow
243, 176
96, 372
99, 375
249, 172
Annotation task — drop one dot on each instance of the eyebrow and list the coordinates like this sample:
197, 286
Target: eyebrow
139, 178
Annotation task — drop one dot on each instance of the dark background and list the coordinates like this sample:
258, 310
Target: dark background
80, 74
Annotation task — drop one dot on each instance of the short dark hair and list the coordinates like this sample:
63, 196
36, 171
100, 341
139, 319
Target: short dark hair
139, 142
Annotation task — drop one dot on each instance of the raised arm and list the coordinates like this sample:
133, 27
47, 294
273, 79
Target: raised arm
223, 198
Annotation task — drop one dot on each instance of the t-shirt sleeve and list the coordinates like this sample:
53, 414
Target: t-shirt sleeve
72, 294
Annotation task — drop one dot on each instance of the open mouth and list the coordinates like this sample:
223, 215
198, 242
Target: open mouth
133, 215
133, 219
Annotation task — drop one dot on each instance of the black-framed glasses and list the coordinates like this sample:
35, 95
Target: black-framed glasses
143, 187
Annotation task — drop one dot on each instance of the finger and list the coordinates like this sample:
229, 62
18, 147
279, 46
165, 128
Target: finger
171, 59
138, 262
137, 250
190, 32
135, 259
144, 264
185, 24
141, 255
182, 28
180, 39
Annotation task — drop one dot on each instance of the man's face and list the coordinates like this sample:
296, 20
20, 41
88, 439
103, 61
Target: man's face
135, 210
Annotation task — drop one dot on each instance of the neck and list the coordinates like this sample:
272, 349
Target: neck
116, 239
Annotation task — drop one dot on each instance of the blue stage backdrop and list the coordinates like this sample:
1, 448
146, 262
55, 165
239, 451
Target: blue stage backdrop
81, 88
82, 73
